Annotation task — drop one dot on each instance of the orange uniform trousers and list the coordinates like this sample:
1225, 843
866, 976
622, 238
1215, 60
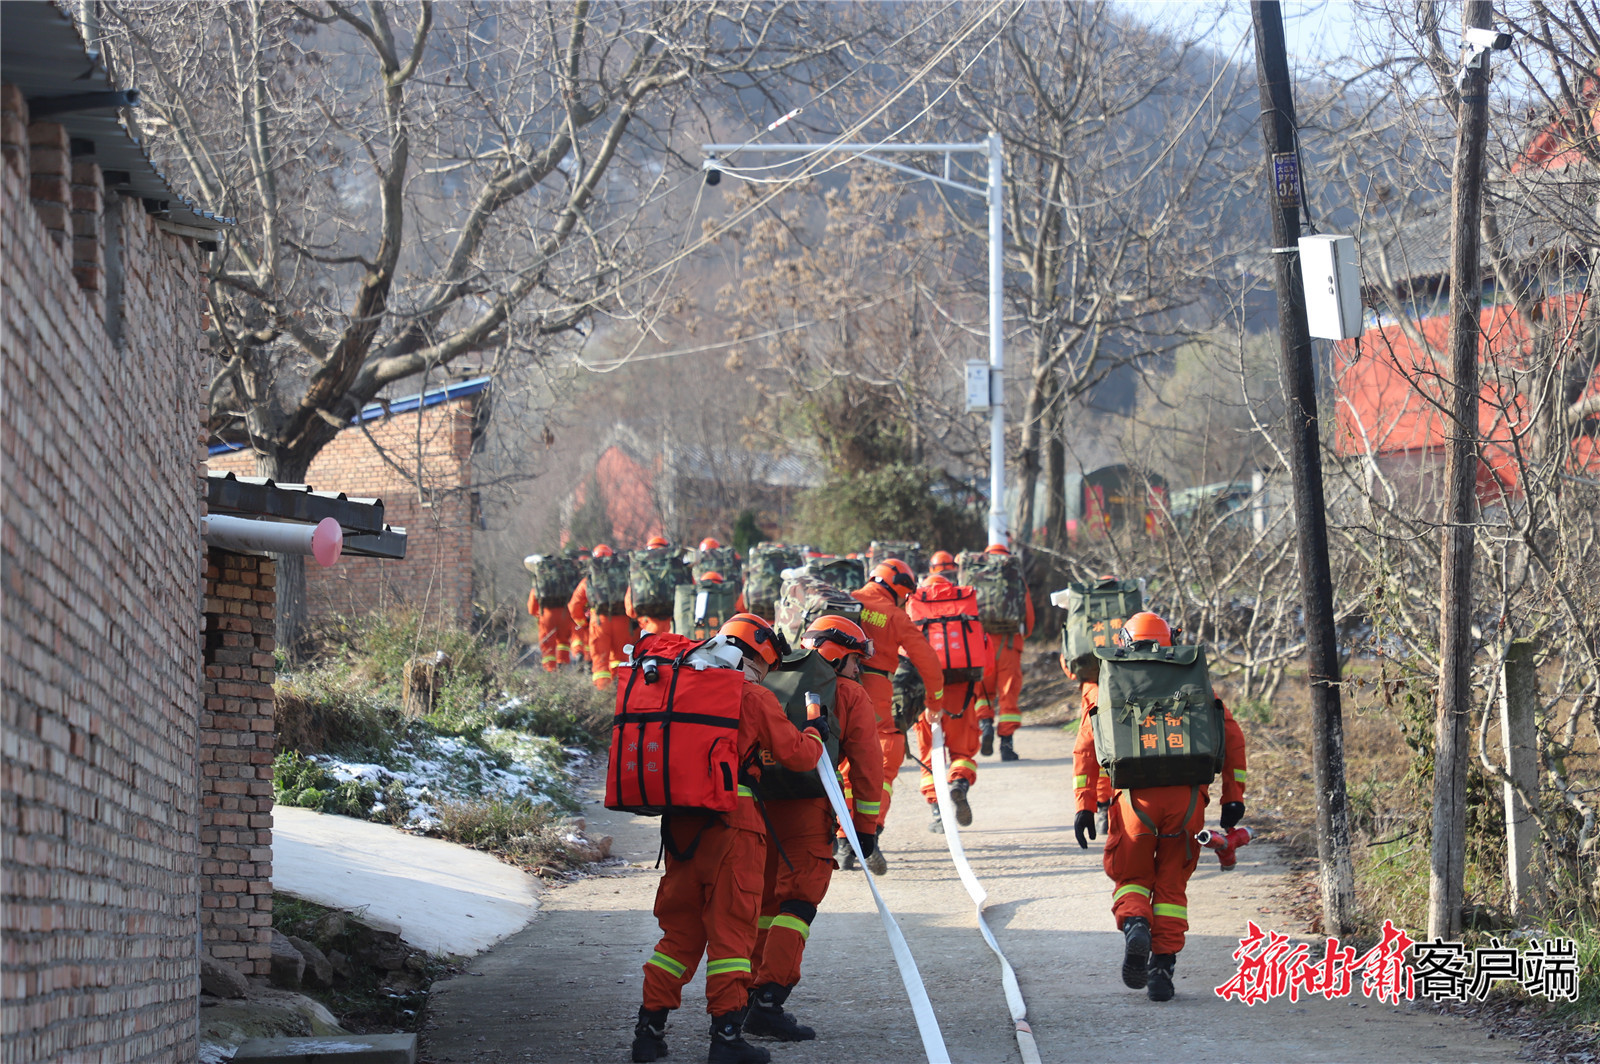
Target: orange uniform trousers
1151, 858
1008, 673
790, 895
654, 625
707, 905
961, 737
608, 635
555, 636
890, 737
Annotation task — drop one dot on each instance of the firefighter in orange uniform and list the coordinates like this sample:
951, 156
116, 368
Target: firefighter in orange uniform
709, 899
1083, 748
580, 617
608, 633
961, 644
1150, 847
555, 630
890, 630
649, 625
1008, 678
797, 880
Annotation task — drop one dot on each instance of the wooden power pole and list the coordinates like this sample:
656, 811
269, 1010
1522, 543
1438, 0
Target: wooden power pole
1460, 473
1299, 375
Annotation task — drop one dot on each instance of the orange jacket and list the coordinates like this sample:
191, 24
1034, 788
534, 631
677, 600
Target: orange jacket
1086, 766
890, 630
764, 724
857, 722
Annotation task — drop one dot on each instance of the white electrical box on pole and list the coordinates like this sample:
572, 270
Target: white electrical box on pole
992, 387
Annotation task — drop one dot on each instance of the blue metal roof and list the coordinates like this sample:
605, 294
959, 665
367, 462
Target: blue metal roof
374, 411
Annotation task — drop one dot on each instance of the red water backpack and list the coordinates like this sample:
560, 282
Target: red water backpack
948, 618
675, 737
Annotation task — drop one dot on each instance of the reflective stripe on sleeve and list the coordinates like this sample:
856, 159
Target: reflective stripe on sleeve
746, 792
1081, 780
1238, 775
868, 808
793, 923
764, 922
1011, 718
667, 964
888, 788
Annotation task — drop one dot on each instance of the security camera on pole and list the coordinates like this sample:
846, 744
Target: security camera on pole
985, 381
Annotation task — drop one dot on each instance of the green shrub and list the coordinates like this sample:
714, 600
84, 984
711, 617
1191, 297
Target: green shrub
891, 502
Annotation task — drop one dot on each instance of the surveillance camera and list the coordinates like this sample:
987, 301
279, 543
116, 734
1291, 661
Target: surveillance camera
713, 168
1482, 39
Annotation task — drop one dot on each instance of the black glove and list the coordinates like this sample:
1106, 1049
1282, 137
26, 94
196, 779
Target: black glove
1084, 821
869, 842
1232, 813
821, 726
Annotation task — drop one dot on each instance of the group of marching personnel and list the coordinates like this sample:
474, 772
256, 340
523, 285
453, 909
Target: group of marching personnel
731, 691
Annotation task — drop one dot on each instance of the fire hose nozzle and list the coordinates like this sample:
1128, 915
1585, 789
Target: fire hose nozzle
1226, 843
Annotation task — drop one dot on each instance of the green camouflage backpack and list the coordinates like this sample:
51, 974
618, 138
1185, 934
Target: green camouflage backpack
724, 560
804, 599
796, 675
763, 576
701, 608
654, 576
1094, 614
910, 553
555, 578
846, 574
1001, 591
608, 584
910, 694
1157, 723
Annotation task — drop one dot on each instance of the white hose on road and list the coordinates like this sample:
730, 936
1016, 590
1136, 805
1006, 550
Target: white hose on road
939, 762
921, 1007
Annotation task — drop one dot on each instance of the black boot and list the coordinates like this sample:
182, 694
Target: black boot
843, 853
937, 827
878, 864
1161, 966
958, 795
986, 737
767, 1019
1007, 751
650, 1036
727, 1042
1136, 957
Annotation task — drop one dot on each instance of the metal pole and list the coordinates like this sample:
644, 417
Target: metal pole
997, 349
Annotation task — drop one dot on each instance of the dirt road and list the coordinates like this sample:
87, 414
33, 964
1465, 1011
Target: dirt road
567, 988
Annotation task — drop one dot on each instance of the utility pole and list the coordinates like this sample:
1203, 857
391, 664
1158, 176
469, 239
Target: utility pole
1278, 132
1448, 863
993, 195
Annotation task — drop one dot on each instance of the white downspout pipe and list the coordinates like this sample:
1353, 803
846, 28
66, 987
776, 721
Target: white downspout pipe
324, 540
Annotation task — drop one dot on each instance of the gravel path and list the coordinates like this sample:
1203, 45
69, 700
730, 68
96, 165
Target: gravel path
567, 987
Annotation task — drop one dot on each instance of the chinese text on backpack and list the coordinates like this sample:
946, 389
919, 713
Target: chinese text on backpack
1094, 613
701, 608
555, 578
675, 737
1157, 723
654, 578
789, 682
763, 576
1001, 592
948, 618
805, 598
608, 584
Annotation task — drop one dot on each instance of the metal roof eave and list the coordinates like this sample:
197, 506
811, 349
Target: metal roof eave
227, 493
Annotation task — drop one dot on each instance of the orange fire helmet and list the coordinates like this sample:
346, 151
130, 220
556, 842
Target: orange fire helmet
602, 551
754, 637
836, 638
895, 573
712, 575
656, 541
1144, 627
941, 561
997, 548
709, 544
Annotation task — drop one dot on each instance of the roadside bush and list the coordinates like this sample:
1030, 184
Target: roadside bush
891, 502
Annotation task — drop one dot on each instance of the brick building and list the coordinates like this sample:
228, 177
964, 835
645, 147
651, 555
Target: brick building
100, 552
393, 446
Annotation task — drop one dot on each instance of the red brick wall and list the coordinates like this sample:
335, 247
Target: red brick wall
236, 747
100, 500
436, 574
